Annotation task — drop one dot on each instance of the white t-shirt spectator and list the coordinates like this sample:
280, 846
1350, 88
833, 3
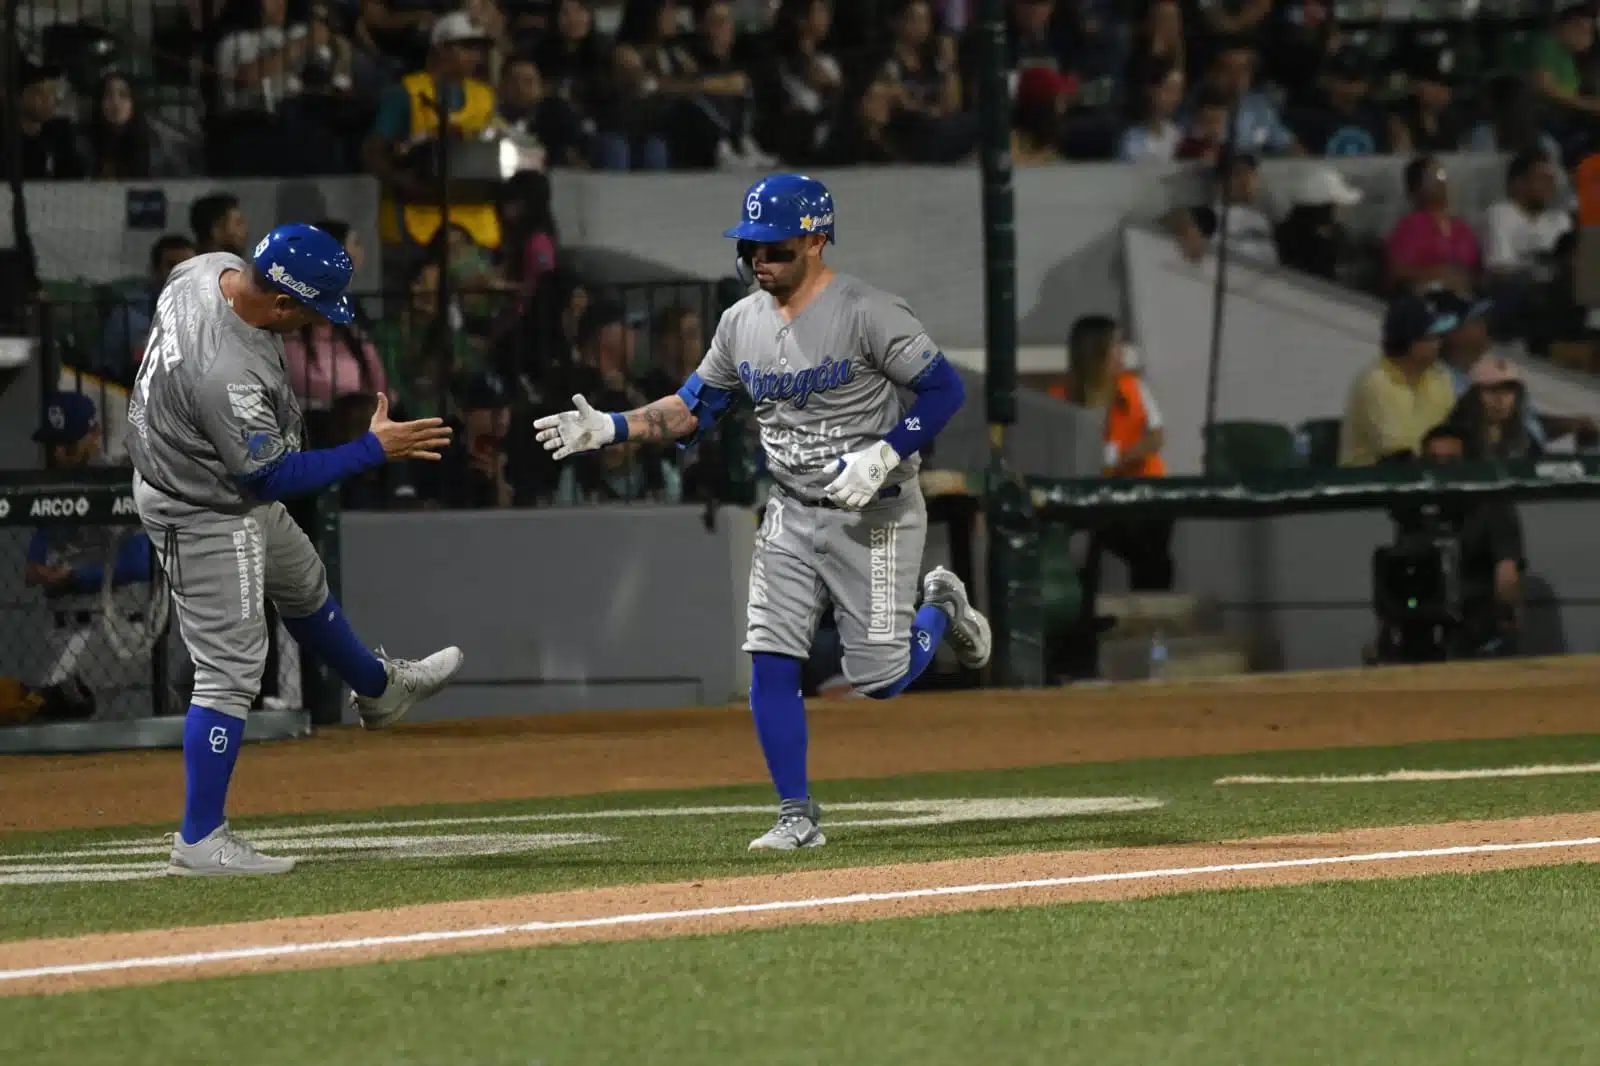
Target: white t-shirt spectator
244, 47
1140, 144
1249, 231
1517, 242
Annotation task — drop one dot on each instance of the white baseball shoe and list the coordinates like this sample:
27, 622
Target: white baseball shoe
410, 682
969, 632
797, 828
221, 854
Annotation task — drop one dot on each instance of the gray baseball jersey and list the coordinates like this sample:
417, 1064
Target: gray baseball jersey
212, 402
828, 383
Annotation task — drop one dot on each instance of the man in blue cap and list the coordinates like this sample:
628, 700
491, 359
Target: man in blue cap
215, 445
1402, 395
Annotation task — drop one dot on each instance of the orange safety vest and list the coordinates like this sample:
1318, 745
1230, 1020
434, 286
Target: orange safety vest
1126, 423
419, 222
1587, 179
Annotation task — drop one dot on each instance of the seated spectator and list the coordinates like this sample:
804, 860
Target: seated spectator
120, 144
726, 93
488, 16
864, 135
677, 342
606, 347
1154, 138
1520, 237
1425, 122
1258, 129
1492, 415
480, 287
473, 476
1037, 114
1031, 40
1404, 393
402, 29
530, 239
1312, 237
1513, 123
402, 151
808, 79
260, 64
423, 346
1158, 43
1342, 120
1556, 66
219, 224
523, 106
922, 66
127, 327
651, 75
49, 142
574, 61
1098, 36
1207, 130
1234, 210
1295, 41
1430, 244
326, 362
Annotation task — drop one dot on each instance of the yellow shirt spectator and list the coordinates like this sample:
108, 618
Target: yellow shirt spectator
1397, 399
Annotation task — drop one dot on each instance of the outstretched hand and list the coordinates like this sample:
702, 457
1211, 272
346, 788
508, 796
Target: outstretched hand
425, 438
582, 429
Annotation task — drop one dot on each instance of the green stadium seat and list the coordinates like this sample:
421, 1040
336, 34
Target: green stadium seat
1236, 449
1322, 442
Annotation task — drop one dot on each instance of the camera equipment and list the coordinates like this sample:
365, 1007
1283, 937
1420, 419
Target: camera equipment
1416, 586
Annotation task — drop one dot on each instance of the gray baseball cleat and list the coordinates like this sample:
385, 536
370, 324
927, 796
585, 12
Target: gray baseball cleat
969, 632
221, 854
410, 682
797, 828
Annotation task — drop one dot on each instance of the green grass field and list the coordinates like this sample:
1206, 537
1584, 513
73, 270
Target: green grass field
1485, 968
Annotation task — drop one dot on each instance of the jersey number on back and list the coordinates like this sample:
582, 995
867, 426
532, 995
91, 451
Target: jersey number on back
161, 347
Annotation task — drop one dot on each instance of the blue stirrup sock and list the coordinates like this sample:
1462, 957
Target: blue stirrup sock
328, 633
210, 748
927, 630
780, 714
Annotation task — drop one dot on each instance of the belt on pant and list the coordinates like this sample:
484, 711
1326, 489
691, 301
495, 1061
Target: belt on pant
887, 494
79, 619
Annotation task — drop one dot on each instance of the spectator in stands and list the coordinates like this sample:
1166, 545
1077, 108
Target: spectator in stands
808, 79
1513, 124
677, 342
480, 286
1154, 137
1030, 38
258, 65
1520, 237
424, 347
404, 145
1098, 381
326, 362
864, 134
120, 144
726, 94
219, 224
1404, 393
1158, 43
127, 327
1558, 71
1342, 121
1312, 237
1233, 210
1425, 122
1493, 414
606, 345
474, 474
651, 75
401, 28
498, 45
1207, 130
1037, 114
523, 106
1295, 41
380, 488
573, 61
529, 235
49, 142
1258, 129
1430, 244
922, 66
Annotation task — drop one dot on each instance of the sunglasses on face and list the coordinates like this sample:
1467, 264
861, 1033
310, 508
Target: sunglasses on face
775, 253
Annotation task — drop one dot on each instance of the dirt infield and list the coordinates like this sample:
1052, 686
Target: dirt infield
666, 910
346, 769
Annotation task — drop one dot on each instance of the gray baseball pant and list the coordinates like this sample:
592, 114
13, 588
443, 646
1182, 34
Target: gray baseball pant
865, 563
222, 568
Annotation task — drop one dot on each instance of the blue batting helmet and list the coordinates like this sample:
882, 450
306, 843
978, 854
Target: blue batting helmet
783, 206
307, 264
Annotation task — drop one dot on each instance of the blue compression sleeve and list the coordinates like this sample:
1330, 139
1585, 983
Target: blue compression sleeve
940, 395
706, 402
302, 473
133, 565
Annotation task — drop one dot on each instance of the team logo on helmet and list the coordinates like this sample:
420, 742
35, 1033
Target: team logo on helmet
812, 223
263, 245
282, 277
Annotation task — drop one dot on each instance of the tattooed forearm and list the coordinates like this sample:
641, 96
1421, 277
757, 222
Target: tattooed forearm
667, 419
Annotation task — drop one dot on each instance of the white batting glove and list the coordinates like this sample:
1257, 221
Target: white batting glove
574, 432
861, 476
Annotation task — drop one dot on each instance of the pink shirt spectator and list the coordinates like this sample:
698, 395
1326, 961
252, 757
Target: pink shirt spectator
539, 259
331, 369
1420, 241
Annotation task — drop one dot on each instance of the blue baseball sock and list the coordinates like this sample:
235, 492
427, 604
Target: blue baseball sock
927, 630
328, 633
210, 748
780, 715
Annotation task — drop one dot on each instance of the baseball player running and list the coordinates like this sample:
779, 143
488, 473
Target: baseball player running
829, 363
216, 446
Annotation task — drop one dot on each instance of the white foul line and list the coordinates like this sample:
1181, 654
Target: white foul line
272, 951
1548, 770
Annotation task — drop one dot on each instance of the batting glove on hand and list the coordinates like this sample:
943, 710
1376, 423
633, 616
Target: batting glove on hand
861, 476
572, 432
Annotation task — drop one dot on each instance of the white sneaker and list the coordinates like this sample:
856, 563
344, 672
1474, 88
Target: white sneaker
221, 854
797, 828
410, 682
969, 632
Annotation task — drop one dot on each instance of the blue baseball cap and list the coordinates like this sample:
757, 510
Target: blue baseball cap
307, 264
1410, 319
68, 418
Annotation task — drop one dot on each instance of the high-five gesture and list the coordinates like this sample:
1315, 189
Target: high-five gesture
423, 439
572, 432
